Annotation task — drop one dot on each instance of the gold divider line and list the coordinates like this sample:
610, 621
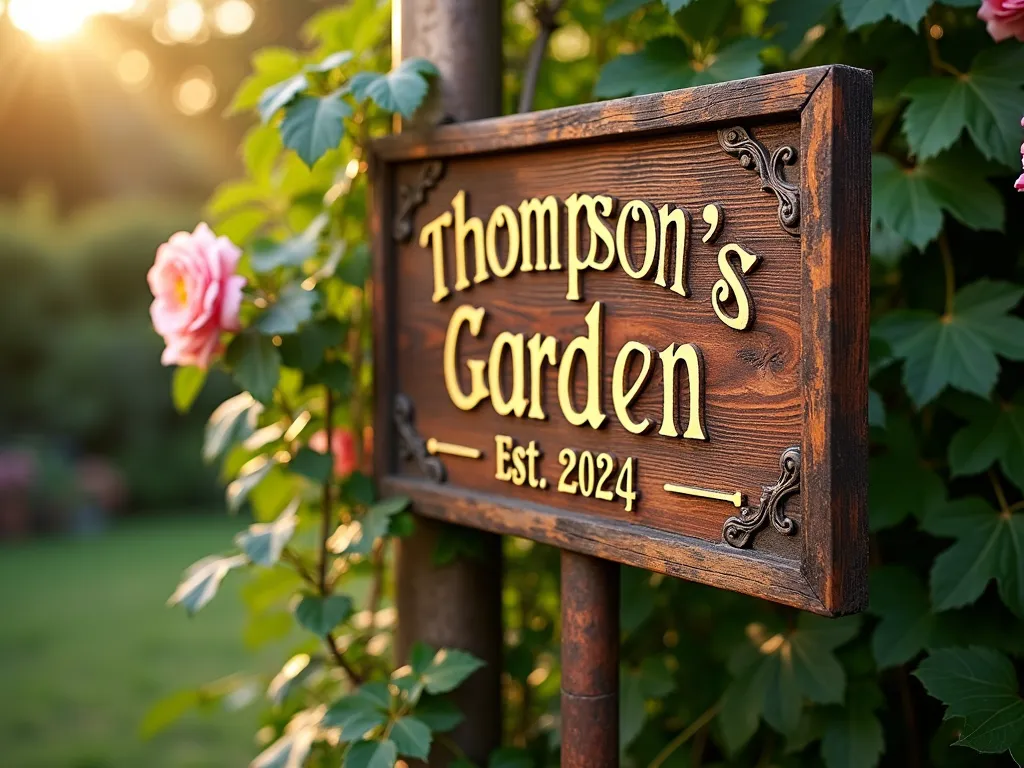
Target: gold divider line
435, 446
736, 499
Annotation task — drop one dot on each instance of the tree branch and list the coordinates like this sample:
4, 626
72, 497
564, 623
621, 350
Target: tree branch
544, 11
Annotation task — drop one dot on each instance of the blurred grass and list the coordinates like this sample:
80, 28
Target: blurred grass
87, 646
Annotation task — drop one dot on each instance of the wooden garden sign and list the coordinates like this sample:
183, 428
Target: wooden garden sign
638, 330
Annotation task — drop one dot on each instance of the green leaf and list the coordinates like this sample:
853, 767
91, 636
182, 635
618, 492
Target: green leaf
853, 736
354, 267
320, 615
663, 65
401, 90
355, 716
957, 350
280, 95
255, 363
676, 5
439, 715
412, 737
306, 349
859, 13
335, 60
985, 101
312, 464
910, 201
448, 669
168, 711
775, 673
995, 434
373, 524
632, 712
313, 125
372, 754
792, 19
990, 545
979, 685
253, 472
293, 748
263, 543
187, 384
201, 581
294, 252
617, 9
907, 623
291, 677
876, 409
358, 489
293, 308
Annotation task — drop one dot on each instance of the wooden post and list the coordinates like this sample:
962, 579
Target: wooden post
458, 605
590, 662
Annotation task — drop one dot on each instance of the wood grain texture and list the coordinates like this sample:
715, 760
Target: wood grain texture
758, 98
797, 377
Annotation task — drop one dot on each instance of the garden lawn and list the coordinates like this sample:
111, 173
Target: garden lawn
87, 645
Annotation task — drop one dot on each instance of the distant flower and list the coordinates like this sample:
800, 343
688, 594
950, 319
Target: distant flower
343, 448
1003, 18
197, 295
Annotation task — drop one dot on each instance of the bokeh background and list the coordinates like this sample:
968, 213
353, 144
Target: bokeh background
115, 125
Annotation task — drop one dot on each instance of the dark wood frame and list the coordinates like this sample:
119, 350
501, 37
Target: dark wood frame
833, 105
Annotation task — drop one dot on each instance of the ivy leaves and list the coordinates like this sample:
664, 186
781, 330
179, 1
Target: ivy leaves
985, 102
775, 674
980, 686
318, 100
402, 90
989, 545
958, 349
666, 63
995, 434
910, 201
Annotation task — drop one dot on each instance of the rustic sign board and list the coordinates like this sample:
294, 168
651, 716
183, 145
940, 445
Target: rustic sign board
638, 330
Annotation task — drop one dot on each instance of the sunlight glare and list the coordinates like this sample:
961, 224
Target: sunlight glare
133, 68
50, 21
233, 17
185, 20
196, 92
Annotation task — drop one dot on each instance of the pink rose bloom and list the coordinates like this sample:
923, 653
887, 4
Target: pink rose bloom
1019, 183
1003, 18
343, 447
197, 295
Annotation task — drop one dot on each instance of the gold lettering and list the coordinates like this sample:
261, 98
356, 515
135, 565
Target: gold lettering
502, 454
733, 284
691, 356
474, 317
598, 230
590, 347
432, 234
503, 216
681, 218
546, 215
636, 208
542, 349
517, 402
463, 228
621, 398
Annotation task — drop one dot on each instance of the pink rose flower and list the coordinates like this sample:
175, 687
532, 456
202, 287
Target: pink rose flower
1003, 18
197, 295
343, 447
1019, 183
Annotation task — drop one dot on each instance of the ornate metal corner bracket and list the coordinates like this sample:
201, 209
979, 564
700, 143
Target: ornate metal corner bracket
412, 196
411, 445
739, 530
753, 156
